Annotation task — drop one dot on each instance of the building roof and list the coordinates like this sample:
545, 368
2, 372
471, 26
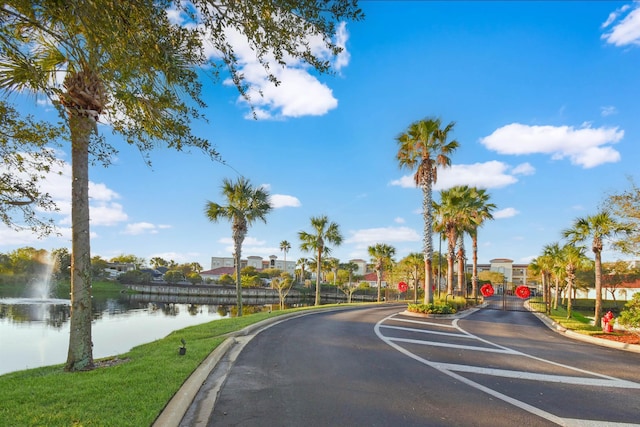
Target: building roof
218, 271
497, 260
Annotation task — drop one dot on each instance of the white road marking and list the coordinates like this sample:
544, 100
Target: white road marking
458, 346
426, 331
451, 369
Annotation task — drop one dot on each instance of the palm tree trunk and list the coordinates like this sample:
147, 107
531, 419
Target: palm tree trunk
80, 354
598, 309
462, 288
379, 279
450, 262
474, 272
318, 267
237, 248
427, 212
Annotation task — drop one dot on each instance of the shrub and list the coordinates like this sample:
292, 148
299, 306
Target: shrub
134, 277
431, 308
630, 316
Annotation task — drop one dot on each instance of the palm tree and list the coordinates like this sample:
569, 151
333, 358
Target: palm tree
381, 257
285, 247
323, 232
573, 259
449, 213
333, 264
245, 205
423, 147
480, 213
141, 99
598, 228
350, 267
413, 262
302, 263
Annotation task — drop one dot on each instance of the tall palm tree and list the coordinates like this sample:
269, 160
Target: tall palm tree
381, 256
323, 232
245, 204
80, 57
285, 247
551, 263
423, 147
573, 258
448, 220
480, 213
596, 228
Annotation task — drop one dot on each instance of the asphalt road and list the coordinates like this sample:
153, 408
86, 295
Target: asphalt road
377, 367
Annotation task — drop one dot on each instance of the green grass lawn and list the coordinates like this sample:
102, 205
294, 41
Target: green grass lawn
578, 322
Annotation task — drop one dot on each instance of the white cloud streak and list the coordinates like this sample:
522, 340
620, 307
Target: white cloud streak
585, 146
492, 174
283, 201
624, 26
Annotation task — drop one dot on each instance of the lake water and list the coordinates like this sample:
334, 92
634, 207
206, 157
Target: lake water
34, 332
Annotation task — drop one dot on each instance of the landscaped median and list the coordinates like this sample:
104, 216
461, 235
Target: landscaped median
131, 389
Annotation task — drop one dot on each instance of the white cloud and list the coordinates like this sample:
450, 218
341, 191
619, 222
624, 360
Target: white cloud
283, 200
585, 146
505, 213
492, 174
143, 228
107, 214
103, 210
370, 236
608, 110
523, 169
299, 93
625, 30
399, 220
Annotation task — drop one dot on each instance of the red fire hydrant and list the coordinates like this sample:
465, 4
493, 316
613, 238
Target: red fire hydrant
607, 322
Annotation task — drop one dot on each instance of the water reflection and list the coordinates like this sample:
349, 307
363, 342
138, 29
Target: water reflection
35, 332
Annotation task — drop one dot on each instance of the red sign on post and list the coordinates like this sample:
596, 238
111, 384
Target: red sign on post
402, 287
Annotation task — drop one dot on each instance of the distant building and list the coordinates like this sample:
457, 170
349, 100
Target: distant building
114, 269
215, 273
515, 274
256, 262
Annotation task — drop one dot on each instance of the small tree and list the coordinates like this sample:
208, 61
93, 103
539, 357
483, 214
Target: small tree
630, 316
283, 284
173, 276
194, 278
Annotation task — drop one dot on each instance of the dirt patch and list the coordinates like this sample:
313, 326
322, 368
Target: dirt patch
623, 337
107, 363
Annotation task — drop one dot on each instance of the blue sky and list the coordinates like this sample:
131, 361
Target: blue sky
545, 100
